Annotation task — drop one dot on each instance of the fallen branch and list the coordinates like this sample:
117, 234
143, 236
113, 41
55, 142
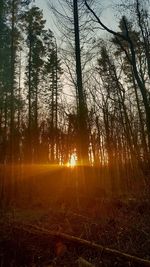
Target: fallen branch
105, 252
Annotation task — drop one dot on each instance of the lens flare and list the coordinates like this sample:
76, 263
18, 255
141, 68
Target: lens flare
73, 161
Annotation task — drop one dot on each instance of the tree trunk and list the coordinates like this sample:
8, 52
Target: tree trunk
82, 109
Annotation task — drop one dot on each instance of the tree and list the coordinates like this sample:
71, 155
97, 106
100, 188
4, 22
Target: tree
5, 57
126, 42
75, 33
34, 25
11, 12
82, 108
53, 71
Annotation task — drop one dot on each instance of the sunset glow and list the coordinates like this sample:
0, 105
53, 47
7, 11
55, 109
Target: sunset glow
73, 161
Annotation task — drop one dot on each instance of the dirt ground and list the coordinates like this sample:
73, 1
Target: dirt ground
120, 222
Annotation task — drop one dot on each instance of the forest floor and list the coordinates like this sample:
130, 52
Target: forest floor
48, 210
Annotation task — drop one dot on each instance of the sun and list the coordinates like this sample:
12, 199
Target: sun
73, 161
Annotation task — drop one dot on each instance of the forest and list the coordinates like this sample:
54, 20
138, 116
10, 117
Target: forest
74, 133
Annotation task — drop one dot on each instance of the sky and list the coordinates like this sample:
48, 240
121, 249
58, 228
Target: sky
107, 16
43, 5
